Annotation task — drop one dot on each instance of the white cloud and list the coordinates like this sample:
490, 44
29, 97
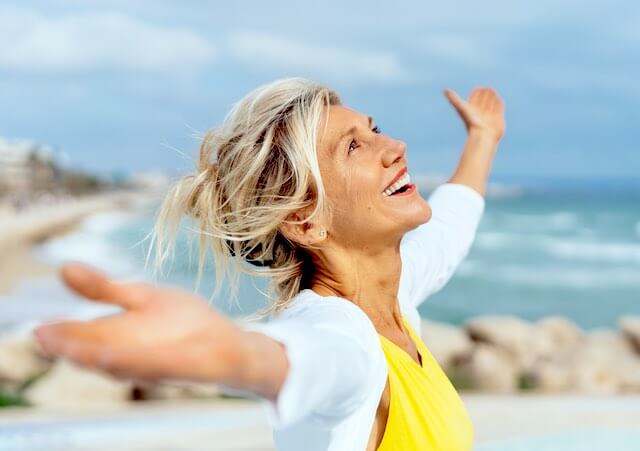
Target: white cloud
273, 51
32, 42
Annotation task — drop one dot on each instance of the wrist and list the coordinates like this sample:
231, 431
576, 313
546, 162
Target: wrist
485, 135
264, 366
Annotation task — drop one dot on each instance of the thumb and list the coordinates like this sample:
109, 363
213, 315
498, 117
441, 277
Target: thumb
455, 100
94, 285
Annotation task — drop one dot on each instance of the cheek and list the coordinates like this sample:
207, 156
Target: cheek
351, 203
360, 195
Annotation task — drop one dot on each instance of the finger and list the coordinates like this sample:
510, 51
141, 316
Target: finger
498, 105
145, 363
74, 341
54, 338
475, 95
482, 101
94, 285
492, 98
455, 100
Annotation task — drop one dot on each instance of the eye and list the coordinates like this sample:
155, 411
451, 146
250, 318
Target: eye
352, 146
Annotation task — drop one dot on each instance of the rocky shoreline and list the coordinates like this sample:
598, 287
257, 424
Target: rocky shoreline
488, 354
505, 354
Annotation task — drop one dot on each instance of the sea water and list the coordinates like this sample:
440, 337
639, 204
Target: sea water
571, 250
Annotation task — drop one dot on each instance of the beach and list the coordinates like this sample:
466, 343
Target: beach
501, 422
102, 230
29, 287
21, 232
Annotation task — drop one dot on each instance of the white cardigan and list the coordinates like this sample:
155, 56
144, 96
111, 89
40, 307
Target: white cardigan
337, 370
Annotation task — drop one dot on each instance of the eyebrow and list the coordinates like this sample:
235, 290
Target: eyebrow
350, 131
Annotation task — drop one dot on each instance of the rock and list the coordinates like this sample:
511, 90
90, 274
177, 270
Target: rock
448, 344
491, 369
20, 358
513, 335
67, 385
551, 376
629, 376
561, 333
630, 327
608, 343
605, 364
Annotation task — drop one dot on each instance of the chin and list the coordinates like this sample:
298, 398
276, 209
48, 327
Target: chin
423, 216
428, 214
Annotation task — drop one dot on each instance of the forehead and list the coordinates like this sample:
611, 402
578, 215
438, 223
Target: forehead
339, 122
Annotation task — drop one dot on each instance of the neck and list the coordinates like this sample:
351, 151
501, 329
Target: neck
367, 277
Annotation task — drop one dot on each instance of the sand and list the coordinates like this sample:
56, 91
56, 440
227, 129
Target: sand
17, 263
242, 424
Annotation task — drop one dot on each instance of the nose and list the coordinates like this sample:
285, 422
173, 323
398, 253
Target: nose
394, 151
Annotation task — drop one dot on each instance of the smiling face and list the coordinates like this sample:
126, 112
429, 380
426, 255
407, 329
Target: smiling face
358, 164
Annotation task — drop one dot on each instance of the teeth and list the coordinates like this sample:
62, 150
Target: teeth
405, 179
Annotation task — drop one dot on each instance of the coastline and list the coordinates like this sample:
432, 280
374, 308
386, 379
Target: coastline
485, 349
21, 232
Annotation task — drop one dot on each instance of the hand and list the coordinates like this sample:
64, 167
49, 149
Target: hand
483, 112
161, 333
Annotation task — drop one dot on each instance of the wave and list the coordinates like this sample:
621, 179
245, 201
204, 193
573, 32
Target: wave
46, 298
552, 276
557, 221
91, 244
595, 252
577, 249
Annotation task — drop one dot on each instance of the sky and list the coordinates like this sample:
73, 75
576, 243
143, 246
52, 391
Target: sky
129, 86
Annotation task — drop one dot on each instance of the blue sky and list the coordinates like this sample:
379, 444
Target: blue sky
121, 85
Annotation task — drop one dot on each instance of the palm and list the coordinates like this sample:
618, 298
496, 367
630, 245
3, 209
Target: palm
161, 333
484, 111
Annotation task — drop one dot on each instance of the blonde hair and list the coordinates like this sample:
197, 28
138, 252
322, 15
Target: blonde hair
254, 170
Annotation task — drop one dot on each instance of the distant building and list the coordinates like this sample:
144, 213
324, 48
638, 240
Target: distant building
26, 168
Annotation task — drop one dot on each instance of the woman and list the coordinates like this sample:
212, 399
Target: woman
296, 187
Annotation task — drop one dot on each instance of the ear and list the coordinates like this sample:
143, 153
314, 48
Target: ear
297, 229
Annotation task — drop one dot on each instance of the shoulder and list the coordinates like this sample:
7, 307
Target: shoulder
331, 313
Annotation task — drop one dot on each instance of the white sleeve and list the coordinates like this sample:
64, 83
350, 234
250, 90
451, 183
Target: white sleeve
329, 364
432, 252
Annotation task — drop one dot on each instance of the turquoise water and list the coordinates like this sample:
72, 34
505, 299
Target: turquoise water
544, 255
557, 251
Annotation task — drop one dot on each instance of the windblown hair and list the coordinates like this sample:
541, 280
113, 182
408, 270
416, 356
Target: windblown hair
254, 170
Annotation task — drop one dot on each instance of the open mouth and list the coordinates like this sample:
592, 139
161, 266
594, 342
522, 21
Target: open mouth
402, 185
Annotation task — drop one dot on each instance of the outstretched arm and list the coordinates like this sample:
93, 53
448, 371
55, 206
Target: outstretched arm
432, 252
163, 333
316, 362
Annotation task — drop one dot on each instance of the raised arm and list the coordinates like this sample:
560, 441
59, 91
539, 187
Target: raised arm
483, 117
432, 252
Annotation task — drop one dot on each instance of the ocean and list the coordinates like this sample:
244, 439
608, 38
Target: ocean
553, 248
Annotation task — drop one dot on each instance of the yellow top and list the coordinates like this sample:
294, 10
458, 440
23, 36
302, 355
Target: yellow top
425, 411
